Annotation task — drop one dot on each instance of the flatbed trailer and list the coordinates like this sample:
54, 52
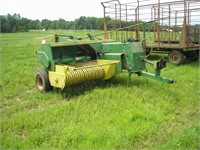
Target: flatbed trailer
171, 26
176, 54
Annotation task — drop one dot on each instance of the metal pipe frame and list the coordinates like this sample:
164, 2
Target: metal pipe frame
175, 15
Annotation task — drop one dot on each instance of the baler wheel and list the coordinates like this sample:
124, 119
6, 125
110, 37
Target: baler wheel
176, 57
42, 81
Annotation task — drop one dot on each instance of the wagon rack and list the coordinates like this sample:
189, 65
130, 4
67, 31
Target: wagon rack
171, 27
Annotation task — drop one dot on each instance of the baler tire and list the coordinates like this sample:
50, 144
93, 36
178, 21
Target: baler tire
42, 81
176, 57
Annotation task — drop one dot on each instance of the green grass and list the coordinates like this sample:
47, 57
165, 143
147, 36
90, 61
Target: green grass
145, 115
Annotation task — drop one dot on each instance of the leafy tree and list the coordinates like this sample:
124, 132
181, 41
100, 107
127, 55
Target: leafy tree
35, 24
16, 23
5, 25
45, 24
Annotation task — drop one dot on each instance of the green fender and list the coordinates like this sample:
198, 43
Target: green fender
43, 59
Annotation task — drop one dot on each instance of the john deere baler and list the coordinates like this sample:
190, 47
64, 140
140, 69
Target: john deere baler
68, 61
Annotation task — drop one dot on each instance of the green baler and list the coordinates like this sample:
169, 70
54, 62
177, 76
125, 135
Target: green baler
69, 61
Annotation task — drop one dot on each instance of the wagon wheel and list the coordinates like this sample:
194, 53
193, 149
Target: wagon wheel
42, 81
176, 57
192, 55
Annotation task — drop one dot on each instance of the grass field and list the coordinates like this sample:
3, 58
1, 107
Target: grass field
145, 115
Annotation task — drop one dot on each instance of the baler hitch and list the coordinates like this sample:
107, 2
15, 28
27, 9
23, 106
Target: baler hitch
158, 66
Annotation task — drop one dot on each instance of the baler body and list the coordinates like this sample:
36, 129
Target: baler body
71, 61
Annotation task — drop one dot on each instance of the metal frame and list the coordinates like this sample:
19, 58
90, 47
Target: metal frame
172, 22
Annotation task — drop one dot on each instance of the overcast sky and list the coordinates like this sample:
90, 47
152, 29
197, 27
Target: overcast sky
52, 9
55, 9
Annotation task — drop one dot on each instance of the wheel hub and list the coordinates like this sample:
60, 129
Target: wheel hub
39, 83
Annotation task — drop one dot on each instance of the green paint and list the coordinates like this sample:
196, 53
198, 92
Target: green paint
155, 77
43, 59
130, 55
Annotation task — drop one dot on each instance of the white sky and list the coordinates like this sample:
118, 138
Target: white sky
52, 9
55, 9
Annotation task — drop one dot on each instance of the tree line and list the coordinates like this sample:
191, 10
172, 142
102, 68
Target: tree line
16, 23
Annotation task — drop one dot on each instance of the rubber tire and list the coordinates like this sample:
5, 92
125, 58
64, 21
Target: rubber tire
42, 81
193, 55
176, 57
